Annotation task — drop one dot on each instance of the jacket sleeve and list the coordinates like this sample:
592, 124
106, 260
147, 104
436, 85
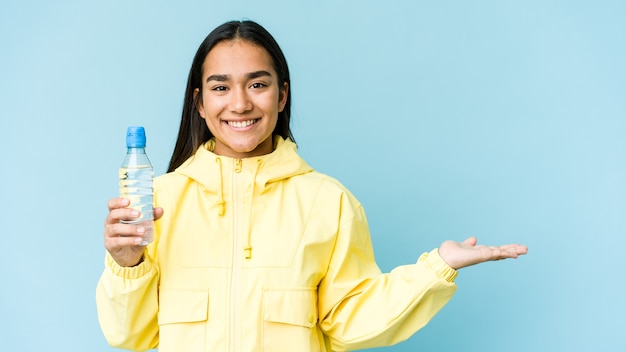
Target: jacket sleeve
127, 304
362, 308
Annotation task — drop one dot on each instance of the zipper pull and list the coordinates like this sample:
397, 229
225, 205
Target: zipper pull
238, 165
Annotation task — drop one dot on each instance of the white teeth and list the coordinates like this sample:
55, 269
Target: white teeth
239, 124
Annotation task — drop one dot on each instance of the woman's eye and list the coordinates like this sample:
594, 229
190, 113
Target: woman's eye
258, 85
219, 88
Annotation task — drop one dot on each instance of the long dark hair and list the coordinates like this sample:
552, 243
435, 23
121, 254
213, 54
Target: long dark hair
193, 131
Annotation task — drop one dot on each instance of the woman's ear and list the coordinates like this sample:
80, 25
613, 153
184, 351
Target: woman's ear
282, 96
198, 102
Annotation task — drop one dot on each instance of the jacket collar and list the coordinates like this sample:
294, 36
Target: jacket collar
284, 162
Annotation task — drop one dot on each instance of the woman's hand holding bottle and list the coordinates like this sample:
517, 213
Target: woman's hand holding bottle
123, 241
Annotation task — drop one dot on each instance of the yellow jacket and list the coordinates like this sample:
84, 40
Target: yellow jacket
263, 254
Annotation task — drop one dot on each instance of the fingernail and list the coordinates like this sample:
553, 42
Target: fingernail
134, 214
138, 240
140, 230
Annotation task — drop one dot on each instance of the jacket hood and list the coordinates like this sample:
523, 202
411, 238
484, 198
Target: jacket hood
282, 163
209, 169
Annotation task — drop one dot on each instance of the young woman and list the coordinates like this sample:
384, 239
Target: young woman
253, 249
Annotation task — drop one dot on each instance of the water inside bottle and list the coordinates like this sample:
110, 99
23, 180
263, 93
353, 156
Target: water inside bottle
136, 185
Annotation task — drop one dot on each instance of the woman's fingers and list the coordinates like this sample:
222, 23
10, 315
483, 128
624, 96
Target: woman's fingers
462, 254
158, 212
117, 229
118, 202
123, 241
471, 241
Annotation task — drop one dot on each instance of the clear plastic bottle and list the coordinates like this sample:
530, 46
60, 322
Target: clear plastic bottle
136, 174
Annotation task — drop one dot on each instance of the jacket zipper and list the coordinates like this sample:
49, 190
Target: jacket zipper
235, 272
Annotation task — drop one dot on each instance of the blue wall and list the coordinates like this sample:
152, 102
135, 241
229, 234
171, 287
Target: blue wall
504, 120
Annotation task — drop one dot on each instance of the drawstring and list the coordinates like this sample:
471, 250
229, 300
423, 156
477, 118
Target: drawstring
221, 203
248, 248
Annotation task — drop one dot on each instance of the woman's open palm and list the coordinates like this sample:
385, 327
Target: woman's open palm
462, 254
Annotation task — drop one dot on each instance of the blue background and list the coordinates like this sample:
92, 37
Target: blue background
500, 119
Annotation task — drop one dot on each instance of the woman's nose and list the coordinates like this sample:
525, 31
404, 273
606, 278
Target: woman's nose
240, 101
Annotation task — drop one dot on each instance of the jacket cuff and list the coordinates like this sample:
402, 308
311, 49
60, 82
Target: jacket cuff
442, 268
132, 272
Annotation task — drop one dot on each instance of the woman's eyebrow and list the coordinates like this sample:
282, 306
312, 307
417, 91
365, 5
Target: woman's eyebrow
257, 74
220, 78
251, 75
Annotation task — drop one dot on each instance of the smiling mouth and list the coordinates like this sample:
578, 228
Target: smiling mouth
240, 124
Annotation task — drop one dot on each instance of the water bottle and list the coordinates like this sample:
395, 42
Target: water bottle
136, 174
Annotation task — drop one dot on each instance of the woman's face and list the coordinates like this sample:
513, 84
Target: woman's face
241, 98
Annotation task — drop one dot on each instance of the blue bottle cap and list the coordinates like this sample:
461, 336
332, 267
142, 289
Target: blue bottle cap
135, 137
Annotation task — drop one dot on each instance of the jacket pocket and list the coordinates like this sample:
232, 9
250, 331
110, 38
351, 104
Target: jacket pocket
290, 320
182, 320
